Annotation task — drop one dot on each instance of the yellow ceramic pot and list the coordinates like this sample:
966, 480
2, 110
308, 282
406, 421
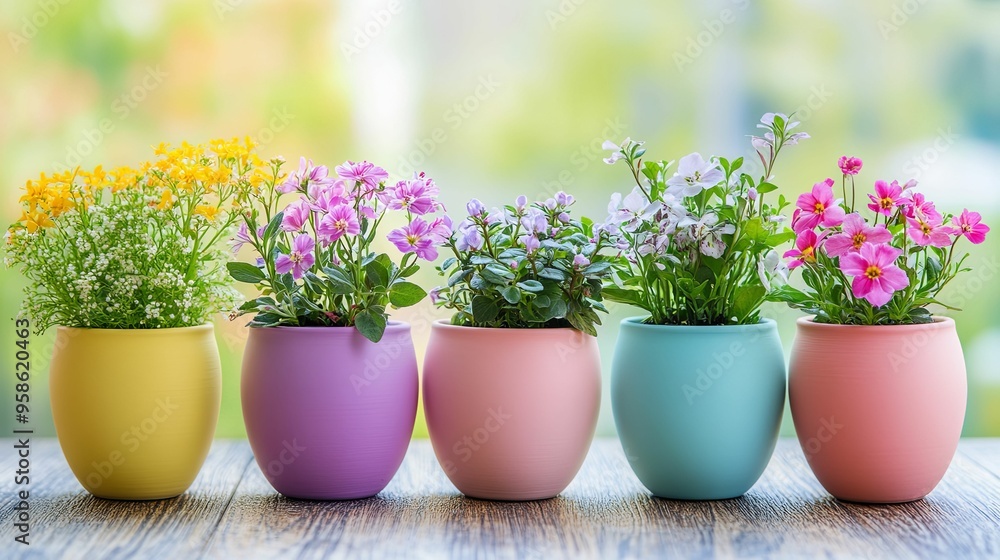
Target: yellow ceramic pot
135, 410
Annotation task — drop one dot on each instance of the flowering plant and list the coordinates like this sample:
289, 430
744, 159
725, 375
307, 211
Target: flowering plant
131, 248
315, 260
880, 272
524, 266
699, 244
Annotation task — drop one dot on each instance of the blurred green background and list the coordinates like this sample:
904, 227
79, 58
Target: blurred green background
498, 99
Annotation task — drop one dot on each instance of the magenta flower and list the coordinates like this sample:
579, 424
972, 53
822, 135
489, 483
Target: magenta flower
876, 277
364, 173
886, 198
917, 203
243, 236
818, 208
469, 237
855, 233
295, 216
416, 237
416, 196
804, 252
340, 221
327, 196
306, 176
299, 260
970, 225
441, 229
928, 230
850, 165
474, 207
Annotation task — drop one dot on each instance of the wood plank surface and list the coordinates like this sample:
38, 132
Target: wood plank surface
231, 512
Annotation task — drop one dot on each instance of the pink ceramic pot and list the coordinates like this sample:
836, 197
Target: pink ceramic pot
511, 412
878, 409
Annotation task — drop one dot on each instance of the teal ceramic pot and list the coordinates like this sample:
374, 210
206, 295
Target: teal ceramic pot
698, 408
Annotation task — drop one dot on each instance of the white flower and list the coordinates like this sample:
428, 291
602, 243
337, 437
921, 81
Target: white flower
708, 233
693, 175
633, 211
772, 267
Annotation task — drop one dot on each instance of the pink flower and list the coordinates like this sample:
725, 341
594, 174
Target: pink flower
340, 221
917, 202
970, 225
805, 248
364, 173
531, 243
295, 216
886, 197
416, 237
855, 233
850, 165
306, 176
327, 196
580, 261
818, 208
441, 230
299, 260
875, 274
243, 236
416, 196
928, 230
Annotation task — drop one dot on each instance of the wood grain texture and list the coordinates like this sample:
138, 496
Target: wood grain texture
68, 523
605, 513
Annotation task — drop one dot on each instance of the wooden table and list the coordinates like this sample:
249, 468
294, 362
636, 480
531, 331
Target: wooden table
231, 512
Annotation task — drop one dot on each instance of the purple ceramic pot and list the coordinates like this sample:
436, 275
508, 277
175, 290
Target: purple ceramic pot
329, 414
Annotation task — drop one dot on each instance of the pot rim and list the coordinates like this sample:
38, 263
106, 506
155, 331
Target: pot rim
637, 323
204, 326
446, 325
336, 328
939, 322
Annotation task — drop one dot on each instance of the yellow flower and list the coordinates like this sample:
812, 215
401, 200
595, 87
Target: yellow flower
161, 149
59, 201
208, 211
166, 201
34, 191
35, 220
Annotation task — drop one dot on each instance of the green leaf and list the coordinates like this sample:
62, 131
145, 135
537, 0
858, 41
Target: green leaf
776, 239
484, 309
511, 294
620, 295
272, 227
765, 188
458, 276
371, 325
405, 294
747, 299
755, 230
552, 274
491, 276
245, 272
481, 259
597, 268
338, 280
376, 274
531, 286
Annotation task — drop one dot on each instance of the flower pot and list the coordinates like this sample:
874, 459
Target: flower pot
698, 408
135, 410
878, 409
329, 414
511, 412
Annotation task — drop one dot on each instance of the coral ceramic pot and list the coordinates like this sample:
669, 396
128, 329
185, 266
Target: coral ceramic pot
878, 409
698, 408
329, 414
511, 412
135, 410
